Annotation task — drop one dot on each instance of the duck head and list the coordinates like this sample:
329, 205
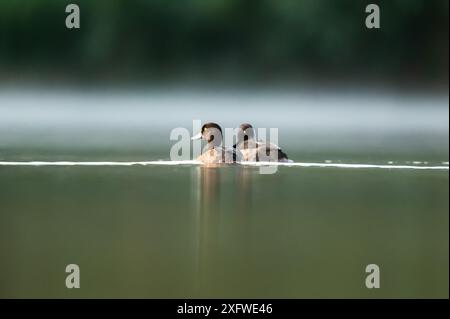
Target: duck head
210, 132
245, 133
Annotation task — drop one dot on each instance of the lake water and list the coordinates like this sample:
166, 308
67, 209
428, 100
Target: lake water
188, 231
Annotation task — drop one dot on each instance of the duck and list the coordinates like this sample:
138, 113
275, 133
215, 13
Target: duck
251, 149
214, 152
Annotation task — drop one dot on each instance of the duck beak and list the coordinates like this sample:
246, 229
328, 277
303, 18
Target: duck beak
197, 137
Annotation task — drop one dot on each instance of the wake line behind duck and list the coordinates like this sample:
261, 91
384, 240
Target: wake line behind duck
441, 166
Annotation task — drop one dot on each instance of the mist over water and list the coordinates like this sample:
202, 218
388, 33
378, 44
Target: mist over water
306, 120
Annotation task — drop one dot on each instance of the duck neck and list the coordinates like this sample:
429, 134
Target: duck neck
248, 143
213, 144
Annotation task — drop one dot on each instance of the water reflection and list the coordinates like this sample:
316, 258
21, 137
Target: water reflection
244, 189
206, 208
218, 196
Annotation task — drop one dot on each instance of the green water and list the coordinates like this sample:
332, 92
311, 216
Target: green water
187, 231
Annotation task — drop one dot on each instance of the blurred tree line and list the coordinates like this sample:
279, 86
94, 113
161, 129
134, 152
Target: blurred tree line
256, 39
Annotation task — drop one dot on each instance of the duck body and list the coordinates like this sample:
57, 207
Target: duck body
219, 155
256, 151
261, 152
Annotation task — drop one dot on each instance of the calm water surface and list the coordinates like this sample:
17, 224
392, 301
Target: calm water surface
190, 231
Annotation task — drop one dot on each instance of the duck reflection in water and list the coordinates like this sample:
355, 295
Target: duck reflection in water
223, 200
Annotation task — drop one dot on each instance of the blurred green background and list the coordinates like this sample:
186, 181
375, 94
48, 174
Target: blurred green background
225, 40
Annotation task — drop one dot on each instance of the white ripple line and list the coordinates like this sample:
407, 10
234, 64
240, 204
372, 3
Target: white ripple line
193, 162
344, 165
70, 163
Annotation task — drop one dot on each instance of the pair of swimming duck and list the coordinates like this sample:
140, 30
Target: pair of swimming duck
245, 149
